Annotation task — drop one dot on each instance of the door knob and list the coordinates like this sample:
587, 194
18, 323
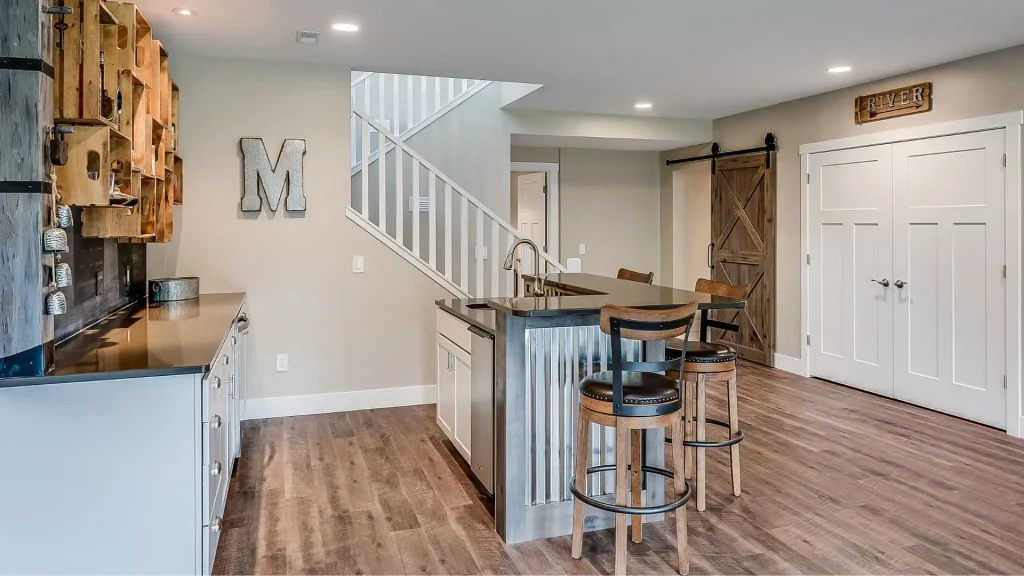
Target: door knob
900, 283
884, 282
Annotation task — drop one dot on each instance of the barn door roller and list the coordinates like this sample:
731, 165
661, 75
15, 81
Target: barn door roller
770, 145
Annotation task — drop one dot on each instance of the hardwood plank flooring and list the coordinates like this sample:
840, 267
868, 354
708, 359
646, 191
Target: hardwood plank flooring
835, 481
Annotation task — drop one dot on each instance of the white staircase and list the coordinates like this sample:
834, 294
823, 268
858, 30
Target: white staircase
405, 104
424, 216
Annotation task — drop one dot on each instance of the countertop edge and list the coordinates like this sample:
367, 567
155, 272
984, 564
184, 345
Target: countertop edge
443, 305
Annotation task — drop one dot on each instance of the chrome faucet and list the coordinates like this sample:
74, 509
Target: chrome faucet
538, 285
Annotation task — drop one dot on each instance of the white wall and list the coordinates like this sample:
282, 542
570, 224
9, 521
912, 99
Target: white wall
343, 332
691, 229
610, 202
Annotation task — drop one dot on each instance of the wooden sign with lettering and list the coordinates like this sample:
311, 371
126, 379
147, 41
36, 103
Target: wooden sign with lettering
893, 103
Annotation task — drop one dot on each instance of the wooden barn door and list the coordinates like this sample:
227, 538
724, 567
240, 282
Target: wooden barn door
743, 231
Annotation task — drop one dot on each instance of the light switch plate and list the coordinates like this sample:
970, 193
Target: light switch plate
357, 264
481, 252
282, 362
583, 248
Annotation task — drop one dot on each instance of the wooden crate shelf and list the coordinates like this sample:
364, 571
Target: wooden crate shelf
92, 153
136, 140
80, 82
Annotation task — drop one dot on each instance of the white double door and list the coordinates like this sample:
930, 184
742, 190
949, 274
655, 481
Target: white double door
907, 294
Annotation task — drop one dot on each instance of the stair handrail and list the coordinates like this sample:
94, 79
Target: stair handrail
444, 177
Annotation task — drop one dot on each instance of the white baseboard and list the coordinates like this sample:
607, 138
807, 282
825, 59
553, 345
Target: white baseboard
1019, 432
790, 364
279, 406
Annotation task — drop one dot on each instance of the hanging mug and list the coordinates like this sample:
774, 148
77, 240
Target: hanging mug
62, 275
56, 303
55, 240
64, 218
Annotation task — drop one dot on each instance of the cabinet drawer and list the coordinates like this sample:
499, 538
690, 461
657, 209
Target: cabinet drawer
454, 329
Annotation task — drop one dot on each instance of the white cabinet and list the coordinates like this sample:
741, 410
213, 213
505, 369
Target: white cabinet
454, 382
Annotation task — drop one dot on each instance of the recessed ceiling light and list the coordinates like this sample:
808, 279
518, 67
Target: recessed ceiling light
642, 106
839, 69
184, 12
344, 27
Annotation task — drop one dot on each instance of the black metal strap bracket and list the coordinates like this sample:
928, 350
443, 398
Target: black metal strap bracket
25, 187
26, 64
771, 144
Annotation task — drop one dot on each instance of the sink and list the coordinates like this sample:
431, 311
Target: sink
479, 306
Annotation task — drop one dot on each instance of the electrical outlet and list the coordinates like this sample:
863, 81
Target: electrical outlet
583, 248
481, 252
357, 264
282, 362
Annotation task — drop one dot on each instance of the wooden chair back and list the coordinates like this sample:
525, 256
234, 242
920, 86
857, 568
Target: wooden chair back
640, 324
633, 276
705, 286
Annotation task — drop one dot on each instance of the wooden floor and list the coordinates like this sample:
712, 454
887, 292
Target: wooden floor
835, 481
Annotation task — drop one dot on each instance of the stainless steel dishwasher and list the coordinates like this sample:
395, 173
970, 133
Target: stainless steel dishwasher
482, 417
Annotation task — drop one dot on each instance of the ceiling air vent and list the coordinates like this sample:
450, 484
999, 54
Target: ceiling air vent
307, 36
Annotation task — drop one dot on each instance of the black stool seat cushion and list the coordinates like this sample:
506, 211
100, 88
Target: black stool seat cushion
696, 351
637, 387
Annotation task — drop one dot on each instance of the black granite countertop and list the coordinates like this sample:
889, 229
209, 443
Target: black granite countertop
145, 340
474, 311
601, 290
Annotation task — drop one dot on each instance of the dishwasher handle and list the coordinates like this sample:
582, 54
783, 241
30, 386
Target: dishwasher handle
480, 332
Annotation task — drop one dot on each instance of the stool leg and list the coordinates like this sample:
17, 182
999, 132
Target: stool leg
578, 508
621, 492
734, 427
679, 483
687, 428
636, 477
701, 437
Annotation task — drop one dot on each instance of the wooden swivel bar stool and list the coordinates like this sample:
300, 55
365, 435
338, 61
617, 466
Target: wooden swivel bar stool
633, 397
709, 363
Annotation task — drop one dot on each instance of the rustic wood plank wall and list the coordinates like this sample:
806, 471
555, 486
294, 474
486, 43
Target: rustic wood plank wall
26, 109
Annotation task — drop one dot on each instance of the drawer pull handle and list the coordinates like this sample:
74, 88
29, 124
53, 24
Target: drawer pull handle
215, 382
215, 422
216, 524
215, 469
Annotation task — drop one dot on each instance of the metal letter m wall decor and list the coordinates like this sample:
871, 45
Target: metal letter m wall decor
274, 177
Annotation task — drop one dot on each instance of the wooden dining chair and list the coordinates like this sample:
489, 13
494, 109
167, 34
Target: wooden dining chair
633, 276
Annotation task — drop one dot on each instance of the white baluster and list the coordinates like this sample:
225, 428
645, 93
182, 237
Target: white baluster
451, 91
477, 256
396, 88
464, 236
437, 95
368, 104
411, 105
416, 208
364, 171
399, 195
496, 256
447, 231
382, 183
465, 86
382, 114
432, 220
423, 99
509, 276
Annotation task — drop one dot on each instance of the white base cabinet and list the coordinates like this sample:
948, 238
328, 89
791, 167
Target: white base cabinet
455, 382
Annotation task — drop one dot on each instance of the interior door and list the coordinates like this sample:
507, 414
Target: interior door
532, 214
949, 254
850, 247
743, 232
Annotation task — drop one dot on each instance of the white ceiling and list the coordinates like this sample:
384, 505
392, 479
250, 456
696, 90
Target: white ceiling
691, 59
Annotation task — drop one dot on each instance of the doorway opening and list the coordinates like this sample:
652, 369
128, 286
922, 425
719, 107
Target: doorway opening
534, 213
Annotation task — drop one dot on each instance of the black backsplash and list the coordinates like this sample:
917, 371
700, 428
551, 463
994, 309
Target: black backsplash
99, 269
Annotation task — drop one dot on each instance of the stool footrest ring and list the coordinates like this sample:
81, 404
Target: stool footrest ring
735, 439
601, 505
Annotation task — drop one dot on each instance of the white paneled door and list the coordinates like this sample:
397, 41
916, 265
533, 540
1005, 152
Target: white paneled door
948, 196
532, 217
850, 215
907, 287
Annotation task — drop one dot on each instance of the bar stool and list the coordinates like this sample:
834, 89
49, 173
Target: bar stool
633, 397
627, 274
709, 363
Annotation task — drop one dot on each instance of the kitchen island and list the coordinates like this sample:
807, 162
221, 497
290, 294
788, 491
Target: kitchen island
120, 458
543, 346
